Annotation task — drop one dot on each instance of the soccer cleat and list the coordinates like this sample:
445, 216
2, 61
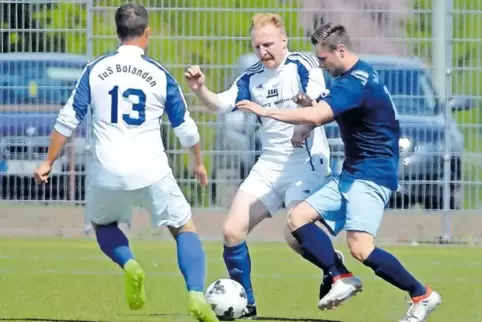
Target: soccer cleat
325, 286
134, 281
200, 309
250, 312
344, 287
327, 281
422, 306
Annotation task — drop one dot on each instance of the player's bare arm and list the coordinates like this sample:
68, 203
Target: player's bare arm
316, 115
302, 132
197, 82
197, 164
57, 143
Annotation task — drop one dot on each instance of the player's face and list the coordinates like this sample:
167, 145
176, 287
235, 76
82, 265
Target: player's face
331, 60
270, 45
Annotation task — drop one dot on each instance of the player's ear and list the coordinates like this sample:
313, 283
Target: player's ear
284, 40
147, 32
341, 50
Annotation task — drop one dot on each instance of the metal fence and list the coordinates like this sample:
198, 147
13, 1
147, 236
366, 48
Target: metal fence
434, 72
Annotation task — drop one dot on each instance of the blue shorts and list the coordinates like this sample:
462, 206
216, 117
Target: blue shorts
350, 204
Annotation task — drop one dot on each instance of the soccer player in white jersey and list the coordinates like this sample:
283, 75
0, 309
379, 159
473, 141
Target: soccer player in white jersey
283, 173
128, 93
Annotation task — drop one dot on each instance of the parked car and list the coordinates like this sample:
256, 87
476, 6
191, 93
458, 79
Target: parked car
34, 86
422, 121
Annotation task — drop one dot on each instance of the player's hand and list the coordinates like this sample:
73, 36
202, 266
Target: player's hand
195, 77
303, 100
300, 134
253, 107
201, 174
42, 172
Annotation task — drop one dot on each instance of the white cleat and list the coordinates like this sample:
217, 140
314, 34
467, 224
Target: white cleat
343, 288
422, 307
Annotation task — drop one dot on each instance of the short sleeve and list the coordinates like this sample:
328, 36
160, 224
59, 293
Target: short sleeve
237, 92
347, 93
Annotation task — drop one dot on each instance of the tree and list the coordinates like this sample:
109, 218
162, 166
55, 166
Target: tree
24, 30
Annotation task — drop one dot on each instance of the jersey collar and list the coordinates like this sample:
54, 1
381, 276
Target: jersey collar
283, 63
130, 49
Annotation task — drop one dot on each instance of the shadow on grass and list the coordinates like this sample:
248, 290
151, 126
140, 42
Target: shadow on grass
263, 318
47, 320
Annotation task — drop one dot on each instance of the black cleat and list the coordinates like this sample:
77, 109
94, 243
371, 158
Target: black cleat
250, 313
325, 286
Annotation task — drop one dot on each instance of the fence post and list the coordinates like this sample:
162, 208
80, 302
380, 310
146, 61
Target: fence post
442, 51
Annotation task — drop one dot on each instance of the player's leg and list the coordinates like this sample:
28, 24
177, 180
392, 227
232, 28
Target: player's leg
298, 189
328, 204
245, 213
106, 209
366, 202
254, 201
168, 207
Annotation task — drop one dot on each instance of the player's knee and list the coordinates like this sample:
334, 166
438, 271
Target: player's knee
233, 233
300, 216
361, 244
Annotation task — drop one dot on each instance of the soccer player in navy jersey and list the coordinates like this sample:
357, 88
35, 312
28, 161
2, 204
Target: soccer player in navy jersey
368, 120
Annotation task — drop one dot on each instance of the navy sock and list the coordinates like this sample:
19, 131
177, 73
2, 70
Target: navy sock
318, 245
191, 260
389, 268
238, 263
114, 243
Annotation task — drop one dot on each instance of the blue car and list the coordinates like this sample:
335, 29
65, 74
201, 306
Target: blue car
34, 87
422, 121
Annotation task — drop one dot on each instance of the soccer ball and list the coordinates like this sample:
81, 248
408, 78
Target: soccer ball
227, 297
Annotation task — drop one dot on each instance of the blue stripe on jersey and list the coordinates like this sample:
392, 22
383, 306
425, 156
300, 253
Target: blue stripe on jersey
304, 64
82, 95
242, 83
308, 61
309, 154
175, 106
303, 71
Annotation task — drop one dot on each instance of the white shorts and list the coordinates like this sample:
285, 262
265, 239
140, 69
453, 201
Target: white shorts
274, 186
164, 201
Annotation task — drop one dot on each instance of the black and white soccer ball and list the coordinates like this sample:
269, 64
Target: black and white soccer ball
228, 298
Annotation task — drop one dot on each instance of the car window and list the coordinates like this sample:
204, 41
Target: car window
411, 89
37, 82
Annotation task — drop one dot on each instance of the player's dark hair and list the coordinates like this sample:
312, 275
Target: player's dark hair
331, 36
131, 21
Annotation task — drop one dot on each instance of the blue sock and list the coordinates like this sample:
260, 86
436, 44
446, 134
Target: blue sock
318, 245
238, 263
191, 260
338, 263
114, 243
389, 268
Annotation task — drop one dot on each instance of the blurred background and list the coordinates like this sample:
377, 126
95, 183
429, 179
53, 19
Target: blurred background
427, 52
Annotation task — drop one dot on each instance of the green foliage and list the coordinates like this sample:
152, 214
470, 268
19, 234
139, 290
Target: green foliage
466, 53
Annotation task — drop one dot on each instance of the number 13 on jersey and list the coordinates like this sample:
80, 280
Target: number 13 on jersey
139, 107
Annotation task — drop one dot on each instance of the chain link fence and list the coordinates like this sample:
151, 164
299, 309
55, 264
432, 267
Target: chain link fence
428, 53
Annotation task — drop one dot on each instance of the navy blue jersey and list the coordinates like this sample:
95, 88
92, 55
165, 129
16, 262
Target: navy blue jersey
369, 126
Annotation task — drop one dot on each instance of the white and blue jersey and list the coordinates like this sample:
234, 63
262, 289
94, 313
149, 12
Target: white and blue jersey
274, 89
128, 93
